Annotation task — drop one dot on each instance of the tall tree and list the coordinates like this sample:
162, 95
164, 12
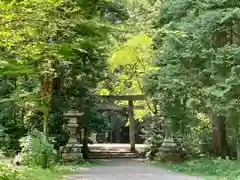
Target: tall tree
130, 58
198, 47
40, 37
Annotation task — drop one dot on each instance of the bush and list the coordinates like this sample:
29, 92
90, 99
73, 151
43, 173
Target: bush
3, 136
8, 173
198, 138
38, 173
36, 152
153, 135
9, 139
216, 168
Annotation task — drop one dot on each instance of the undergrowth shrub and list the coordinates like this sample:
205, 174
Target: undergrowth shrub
152, 133
196, 141
217, 168
3, 136
36, 152
8, 173
198, 138
5, 140
9, 138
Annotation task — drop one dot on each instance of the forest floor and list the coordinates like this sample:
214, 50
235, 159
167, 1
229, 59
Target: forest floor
128, 169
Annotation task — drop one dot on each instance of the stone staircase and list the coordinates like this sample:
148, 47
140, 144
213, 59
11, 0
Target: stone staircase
110, 151
103, 151
113, 155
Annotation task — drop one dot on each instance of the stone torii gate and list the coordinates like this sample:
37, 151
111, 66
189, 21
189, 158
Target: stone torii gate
130, 110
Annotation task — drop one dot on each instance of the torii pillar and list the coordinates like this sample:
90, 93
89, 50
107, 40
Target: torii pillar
131, 126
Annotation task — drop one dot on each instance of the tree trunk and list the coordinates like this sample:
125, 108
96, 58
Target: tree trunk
236, 40
45, 137
235, 124
85, 144
46, 95
238, 148
118, 127
219, 139
45, 127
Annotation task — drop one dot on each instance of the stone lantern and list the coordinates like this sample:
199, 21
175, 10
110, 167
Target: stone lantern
71, 127
168, 141
73, 148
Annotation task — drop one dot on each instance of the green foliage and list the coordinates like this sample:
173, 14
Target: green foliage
127, 63
38, 173
153, 135
9, 138
28, 173
35, 151
197, 49
201, 55
8, 173
209, 168
131, 53
51, 52
197, 139
3, 136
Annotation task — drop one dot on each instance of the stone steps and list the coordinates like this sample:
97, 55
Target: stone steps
110, 152
115, 148
105, 151
112, 155
98, 149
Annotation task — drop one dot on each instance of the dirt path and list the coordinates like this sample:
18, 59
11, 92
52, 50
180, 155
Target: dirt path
126, 169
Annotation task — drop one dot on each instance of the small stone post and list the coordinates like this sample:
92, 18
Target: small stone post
169, 151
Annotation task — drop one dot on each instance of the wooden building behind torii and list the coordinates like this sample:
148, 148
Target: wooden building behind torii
130, 109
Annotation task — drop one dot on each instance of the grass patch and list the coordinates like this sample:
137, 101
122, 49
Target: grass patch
36, 173
58, 172
208, 168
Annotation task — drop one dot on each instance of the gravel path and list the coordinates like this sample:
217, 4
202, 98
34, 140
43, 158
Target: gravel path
126, 169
